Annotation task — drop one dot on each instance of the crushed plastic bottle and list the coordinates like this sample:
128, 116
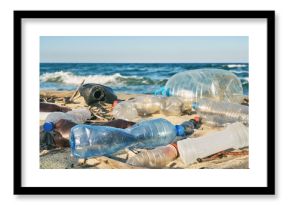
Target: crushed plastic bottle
126, 111
235, 136
89, 141
155, 158
156, 132
76, 116
142, 106
193, 85
221, 113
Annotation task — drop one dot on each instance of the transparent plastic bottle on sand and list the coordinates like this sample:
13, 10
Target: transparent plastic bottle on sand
126, 111
142, 106
221, 113
76, 116
156, 132
89, 141
156, 158
235, 136
194, 85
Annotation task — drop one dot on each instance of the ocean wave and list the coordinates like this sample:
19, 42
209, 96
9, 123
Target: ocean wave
116, 79
239, 71
236, 65
244, 80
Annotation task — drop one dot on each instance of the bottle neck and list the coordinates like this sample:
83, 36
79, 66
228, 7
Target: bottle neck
163, 91
48, 126
194, 105
180, 131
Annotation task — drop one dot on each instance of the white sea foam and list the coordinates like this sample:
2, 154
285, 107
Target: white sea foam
236, 65
245, 80
71, 79
239, 71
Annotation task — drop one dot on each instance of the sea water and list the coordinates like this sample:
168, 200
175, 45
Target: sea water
126, 77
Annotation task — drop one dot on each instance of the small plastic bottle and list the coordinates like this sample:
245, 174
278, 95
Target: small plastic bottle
221, 113
235, 136
156, 132
172, 106
155, 158
126, 111
142, 106
76, 116
89, 141
148, 104
194, 85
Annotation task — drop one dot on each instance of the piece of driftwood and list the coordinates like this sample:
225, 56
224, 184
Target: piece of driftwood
76, 91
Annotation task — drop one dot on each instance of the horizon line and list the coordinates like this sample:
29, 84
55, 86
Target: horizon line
145, 62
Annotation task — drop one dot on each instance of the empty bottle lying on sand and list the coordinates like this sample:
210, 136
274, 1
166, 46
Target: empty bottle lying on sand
221, 113
47, 108
62, 128
158, 132
94, 93
193, 85
77, 116
235, 136
142, 106
88, 141
155, 158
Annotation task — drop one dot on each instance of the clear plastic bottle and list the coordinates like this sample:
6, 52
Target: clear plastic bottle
89, 141
76, 116
221, 113
172, 106
194, 85
126, 111
155, 158
156, 132
142, 106
235, 136
148, 104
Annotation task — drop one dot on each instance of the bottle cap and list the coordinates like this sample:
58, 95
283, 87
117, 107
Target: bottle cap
179, 130
165, 91
196, 118
48, 126
194, 105
115, 103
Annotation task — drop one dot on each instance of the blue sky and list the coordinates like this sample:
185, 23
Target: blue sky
144, 49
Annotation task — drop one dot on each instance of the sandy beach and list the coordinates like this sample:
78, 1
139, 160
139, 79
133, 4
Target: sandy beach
59, 158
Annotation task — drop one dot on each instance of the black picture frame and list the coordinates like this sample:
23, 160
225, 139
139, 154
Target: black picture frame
268, 190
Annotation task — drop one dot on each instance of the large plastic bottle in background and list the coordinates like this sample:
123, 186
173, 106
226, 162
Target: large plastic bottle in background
89, 141
193, 85
77, 116
142, 106
221, 113
155, 158
235, 136
156, 132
